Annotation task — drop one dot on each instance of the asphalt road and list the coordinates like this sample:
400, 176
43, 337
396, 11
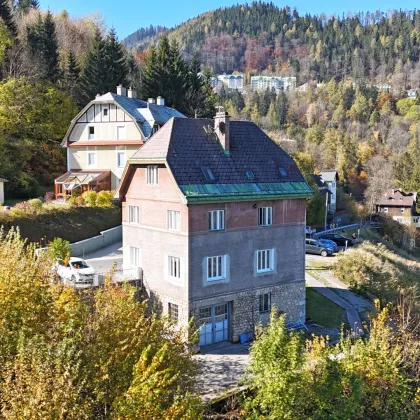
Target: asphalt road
105, 259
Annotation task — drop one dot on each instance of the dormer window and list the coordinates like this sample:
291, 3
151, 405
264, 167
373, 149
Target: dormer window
208, 174
282, 172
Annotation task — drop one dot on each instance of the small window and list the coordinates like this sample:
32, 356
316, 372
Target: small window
402, 210
250, 175
105, 112
133, 214
385, 209
91, 158
265, 216
216, 268
152, 175
173, 312
91, 132
217, 220
265, 260
120, 159
208, 174
282, 172
174, 267
174, 219
134, 257
265, 302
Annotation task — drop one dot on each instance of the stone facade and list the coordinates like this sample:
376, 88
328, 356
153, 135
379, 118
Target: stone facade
244, 307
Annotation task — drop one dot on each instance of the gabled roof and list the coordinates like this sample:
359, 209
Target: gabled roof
329, 175
397, 198
144, 114
188, 151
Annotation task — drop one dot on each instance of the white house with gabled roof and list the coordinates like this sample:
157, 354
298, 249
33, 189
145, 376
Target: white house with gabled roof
104, 135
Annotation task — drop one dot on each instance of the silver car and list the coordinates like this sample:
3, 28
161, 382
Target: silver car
315, 247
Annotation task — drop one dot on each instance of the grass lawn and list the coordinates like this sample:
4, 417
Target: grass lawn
322, 311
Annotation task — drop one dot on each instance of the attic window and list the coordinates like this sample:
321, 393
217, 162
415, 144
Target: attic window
208, 174
282, 172
250, 175
105, 112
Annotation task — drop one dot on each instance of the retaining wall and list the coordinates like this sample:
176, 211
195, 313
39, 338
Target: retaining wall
105, 238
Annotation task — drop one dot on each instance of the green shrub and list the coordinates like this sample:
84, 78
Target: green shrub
59, 250
90, 198
36, 203
104, 199
72, 201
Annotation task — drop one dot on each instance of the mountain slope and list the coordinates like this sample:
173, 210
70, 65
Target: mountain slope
261, 36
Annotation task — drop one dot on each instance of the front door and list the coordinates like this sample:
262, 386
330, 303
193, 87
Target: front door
214, 321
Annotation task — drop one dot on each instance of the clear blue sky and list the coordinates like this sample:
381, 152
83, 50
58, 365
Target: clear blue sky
128, 15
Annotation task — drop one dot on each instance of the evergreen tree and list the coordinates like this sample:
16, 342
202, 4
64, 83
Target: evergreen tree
115, 66
6, 15
93, 80
25, 5
133, 73
49, 49
43, 44
149, 87
72, 76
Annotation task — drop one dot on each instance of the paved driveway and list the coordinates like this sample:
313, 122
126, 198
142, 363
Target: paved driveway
104, 259
222, 367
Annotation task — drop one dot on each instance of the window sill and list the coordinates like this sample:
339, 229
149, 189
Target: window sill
216, 230
265, 225
265, 312
265, 271
215, 279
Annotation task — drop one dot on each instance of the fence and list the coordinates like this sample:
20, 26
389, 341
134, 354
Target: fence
105, 238
338, 229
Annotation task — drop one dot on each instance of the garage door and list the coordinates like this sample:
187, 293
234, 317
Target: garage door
214, 321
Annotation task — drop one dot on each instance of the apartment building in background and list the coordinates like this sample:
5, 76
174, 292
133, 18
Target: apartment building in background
273, 82
214, 214
103, 135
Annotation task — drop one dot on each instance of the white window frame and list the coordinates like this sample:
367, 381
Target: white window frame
124, 132
134, 256
265, 216
174, 220
216, 220
265, 260
133, 214
385, 209
216, 268
152, 174
173, 312
91, 136
174, 268
105, 112
402, 210
121, 152
92, 153
265, 302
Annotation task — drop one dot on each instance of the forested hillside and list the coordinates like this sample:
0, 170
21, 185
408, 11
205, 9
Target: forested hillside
260, 36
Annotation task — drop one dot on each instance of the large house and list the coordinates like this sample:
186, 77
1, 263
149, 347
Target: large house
400, 206
273, 82
214, 214
330, 178
229, 81
103, 135
2, 181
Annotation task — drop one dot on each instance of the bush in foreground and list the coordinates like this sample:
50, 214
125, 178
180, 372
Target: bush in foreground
69, 355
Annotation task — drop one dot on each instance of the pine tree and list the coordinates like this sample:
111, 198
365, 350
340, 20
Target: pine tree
50, 49
93, 80
149, 88
6, 15
25, 5
115, 65
72, 76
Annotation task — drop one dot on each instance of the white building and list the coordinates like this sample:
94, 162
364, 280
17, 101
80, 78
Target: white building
231, 81
330, 177
2, 181
103, 135
273, 82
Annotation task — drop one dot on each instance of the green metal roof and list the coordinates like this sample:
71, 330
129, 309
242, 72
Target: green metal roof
272, 190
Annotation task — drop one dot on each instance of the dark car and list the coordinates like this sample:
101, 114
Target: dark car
315, 247
340, 240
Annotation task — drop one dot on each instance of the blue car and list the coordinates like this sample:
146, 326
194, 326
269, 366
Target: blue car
327, 243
